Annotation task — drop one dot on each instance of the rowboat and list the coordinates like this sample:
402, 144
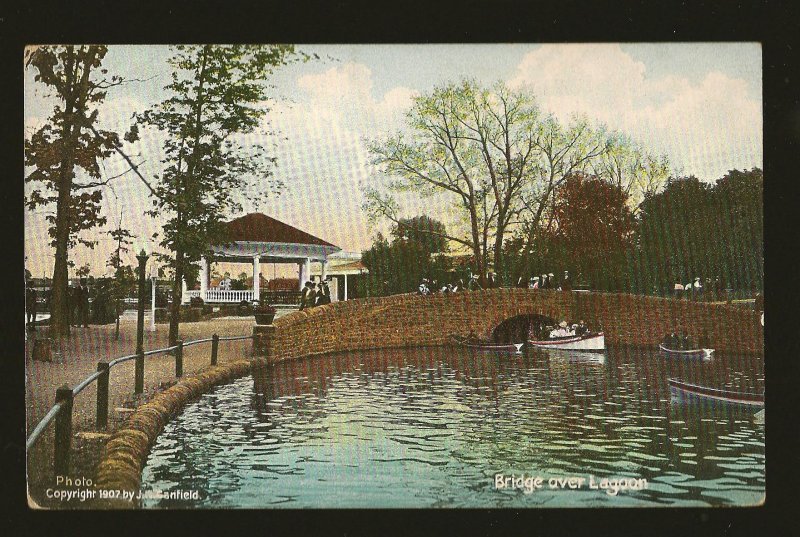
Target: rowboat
683, 391
480, 345
593, 342
697, 354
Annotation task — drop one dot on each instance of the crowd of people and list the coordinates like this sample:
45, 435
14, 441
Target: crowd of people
315, 294
697, 288
562, 330
680, 340
547, 281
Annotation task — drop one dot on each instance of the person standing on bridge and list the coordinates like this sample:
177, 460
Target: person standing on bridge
308, 296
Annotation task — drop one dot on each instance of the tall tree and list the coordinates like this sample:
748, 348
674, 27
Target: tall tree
428, 232
217, 95
67, 145
470, 143
124, 281
593, 230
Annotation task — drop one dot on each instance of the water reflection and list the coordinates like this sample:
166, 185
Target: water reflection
432, 427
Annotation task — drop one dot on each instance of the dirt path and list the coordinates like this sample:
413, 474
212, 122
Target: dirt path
76, 358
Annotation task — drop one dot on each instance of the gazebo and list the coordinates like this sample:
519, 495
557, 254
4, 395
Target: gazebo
256, 238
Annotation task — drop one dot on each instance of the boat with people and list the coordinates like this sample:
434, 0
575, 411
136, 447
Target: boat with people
696, 354
684, 391
591, 341
483, 345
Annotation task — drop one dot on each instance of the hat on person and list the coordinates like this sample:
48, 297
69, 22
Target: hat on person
535, 278
563, 324
551, 275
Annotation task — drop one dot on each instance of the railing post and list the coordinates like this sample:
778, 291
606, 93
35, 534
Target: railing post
63, 432
179, 359
214, 348
139, 374
102, 394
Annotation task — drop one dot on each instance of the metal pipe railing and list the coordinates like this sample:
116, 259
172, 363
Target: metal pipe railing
61, 411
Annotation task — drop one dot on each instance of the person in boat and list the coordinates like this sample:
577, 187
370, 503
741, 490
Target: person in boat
581, 329
704, 341
671, 340
533, 283
551, 281
684, 343
561, 331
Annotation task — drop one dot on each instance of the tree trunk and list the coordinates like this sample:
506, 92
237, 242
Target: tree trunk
59, 305
498, 254
175, 310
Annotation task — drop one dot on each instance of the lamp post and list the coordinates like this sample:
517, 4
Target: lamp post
152, 303
142, 258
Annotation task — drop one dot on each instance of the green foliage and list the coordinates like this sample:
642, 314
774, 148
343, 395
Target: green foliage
498, 161
428, 233
399, 266
694, 229
217, 94
64, 154
594, 228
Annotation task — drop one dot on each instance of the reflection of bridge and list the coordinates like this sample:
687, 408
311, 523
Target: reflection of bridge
414, 320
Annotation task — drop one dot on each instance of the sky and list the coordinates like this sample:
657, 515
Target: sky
700, 104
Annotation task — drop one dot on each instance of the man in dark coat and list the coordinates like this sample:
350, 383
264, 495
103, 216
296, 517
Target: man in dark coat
566, 284
30, 304
82, 305
308, 297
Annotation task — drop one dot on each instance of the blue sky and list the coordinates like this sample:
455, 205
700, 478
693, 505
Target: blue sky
700, 104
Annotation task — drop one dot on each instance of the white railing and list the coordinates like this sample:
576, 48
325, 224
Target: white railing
192, 294
227, 297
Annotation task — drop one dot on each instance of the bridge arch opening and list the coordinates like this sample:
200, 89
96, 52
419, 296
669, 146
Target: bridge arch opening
518, 328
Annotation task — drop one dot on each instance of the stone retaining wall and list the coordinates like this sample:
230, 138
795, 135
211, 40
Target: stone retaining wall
412, 320
125, 453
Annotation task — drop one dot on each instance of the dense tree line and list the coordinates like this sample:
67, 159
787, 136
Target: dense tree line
689, 229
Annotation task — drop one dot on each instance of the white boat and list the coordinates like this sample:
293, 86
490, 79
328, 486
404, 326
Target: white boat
698, 354
486, 345
594, 342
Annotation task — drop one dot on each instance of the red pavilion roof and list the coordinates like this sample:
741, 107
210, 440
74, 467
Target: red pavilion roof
257, 227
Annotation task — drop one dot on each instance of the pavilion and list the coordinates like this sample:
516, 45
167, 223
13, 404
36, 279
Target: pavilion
256, 238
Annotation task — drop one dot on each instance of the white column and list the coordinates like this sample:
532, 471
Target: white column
203, 277
345, 286
324, 271
184, 292
256, 277
307, 269
300, 276
153, 305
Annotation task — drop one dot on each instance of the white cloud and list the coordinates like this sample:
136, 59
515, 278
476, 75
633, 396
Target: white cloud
705, 127
322, 156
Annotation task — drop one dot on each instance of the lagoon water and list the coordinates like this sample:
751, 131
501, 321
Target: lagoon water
433, 427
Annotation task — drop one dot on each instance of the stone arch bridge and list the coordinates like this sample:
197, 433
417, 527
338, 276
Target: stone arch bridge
415, 320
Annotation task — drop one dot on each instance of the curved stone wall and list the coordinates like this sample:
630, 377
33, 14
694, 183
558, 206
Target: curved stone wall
411, 320
414, 320
125, 453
